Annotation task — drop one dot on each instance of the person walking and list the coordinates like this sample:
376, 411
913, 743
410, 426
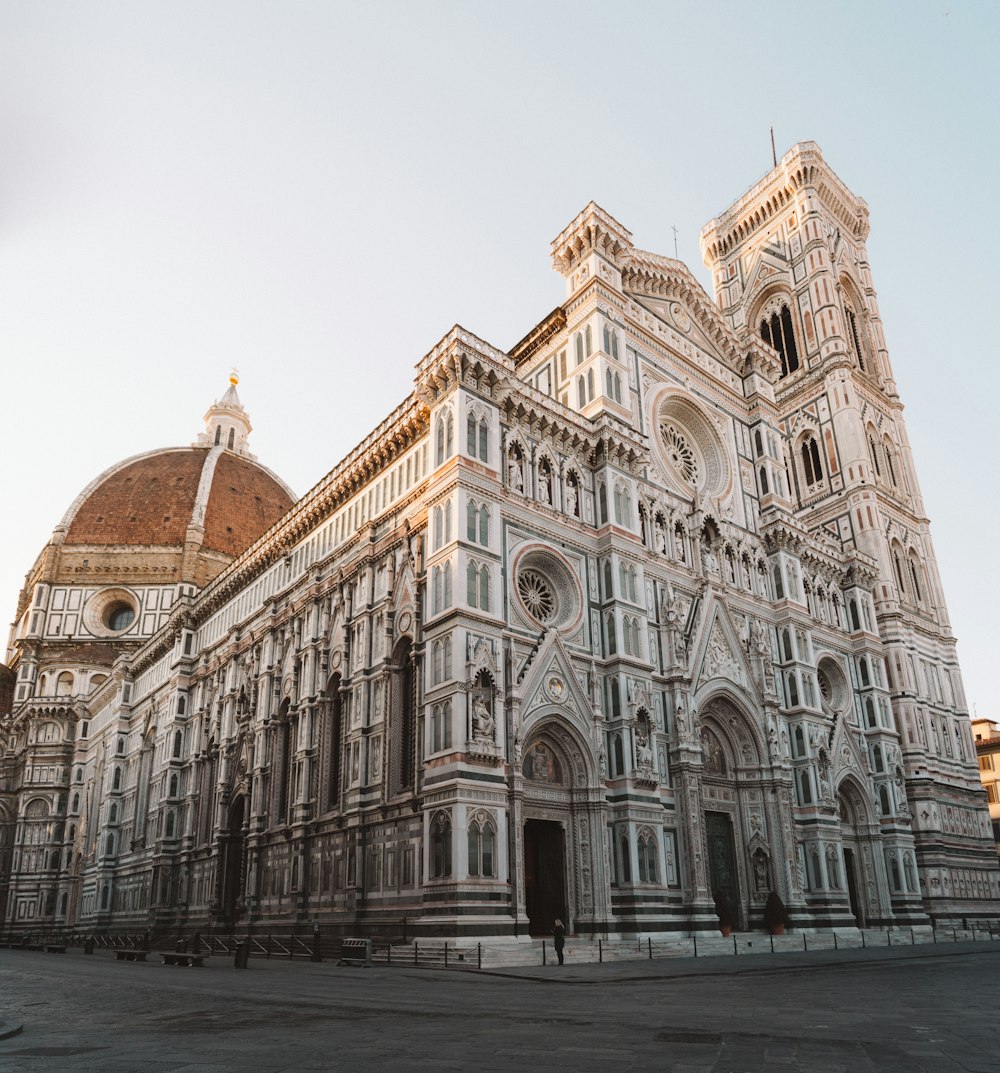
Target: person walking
559, 938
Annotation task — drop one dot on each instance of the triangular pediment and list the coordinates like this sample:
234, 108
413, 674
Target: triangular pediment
551, 680
720, 654
849, 757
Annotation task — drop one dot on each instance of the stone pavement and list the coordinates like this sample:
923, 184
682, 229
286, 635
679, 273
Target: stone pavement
900, 1010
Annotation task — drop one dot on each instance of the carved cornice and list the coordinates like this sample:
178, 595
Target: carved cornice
542, 332
800, 168
459, 357
593, 231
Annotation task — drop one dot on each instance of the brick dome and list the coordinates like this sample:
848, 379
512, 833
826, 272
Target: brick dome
155, 499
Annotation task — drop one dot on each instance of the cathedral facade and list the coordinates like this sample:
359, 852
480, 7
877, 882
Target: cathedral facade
630, 625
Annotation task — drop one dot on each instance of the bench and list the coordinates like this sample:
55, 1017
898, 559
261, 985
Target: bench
131, 955
174, 957
356, 952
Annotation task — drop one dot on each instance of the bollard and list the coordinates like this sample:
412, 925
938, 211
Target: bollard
650, 944
695, 937
805, 945
600, 952
835, 947
735, 948
544, 957
772, 942
316, 953
479, 955
446, 953
241, 954
416, 949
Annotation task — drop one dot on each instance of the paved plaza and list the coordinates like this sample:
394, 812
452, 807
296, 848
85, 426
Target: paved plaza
905, 1010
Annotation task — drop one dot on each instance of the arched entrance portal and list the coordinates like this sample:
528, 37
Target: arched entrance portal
738, 846
563, 877
856, 836
232, 875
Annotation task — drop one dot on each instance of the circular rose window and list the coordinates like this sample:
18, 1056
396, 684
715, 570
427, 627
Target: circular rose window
536, 594
689, 446
547, 589
679, 452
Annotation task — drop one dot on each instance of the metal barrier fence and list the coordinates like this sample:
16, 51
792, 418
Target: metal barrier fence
322, 943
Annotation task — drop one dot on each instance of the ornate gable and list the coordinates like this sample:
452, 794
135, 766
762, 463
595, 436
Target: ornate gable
720, 653
551, 680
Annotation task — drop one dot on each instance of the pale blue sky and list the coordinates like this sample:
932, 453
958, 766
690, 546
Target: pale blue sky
316, 192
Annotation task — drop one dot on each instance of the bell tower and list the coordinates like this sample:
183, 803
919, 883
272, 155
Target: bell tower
791, 271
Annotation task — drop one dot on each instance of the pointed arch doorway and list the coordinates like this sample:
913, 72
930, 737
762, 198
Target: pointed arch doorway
233, 858
562, 822
737, 847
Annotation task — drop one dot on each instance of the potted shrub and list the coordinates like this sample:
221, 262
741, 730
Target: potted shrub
775, 914
724, 912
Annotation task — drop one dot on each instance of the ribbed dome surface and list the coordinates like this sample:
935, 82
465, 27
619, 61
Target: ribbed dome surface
153, 500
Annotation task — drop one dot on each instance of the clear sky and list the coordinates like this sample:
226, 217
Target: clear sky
315, 192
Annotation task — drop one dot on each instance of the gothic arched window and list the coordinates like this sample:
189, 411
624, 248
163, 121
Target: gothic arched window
852, 323
777, 332
482, 848
648, 870
402, 716
441, 846
334, 737
812, 469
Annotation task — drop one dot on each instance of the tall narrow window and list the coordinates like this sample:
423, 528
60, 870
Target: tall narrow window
811, 466
874, 453
484, 526
852, 321
440, 846
472, 585
484, 588
472, 430
471, 520
334, 735
402, 717
777, 332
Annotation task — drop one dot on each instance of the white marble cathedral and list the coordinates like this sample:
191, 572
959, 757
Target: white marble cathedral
638, 618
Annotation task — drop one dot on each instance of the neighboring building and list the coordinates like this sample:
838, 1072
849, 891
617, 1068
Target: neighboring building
986, 734
639, 616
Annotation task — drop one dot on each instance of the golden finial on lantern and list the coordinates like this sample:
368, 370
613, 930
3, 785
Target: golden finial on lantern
234, 376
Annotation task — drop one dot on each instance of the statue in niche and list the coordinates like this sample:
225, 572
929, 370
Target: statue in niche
643, 753
544, 485
572, 502
514, 478
760, 871
482, 719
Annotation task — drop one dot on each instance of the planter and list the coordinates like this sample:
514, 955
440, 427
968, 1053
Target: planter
726, 930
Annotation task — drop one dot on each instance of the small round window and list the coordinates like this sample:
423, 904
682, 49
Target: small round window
119, 616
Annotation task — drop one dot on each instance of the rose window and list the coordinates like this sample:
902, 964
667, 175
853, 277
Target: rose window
537, 594
679, 452
688, 445
825, 689
546, 589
